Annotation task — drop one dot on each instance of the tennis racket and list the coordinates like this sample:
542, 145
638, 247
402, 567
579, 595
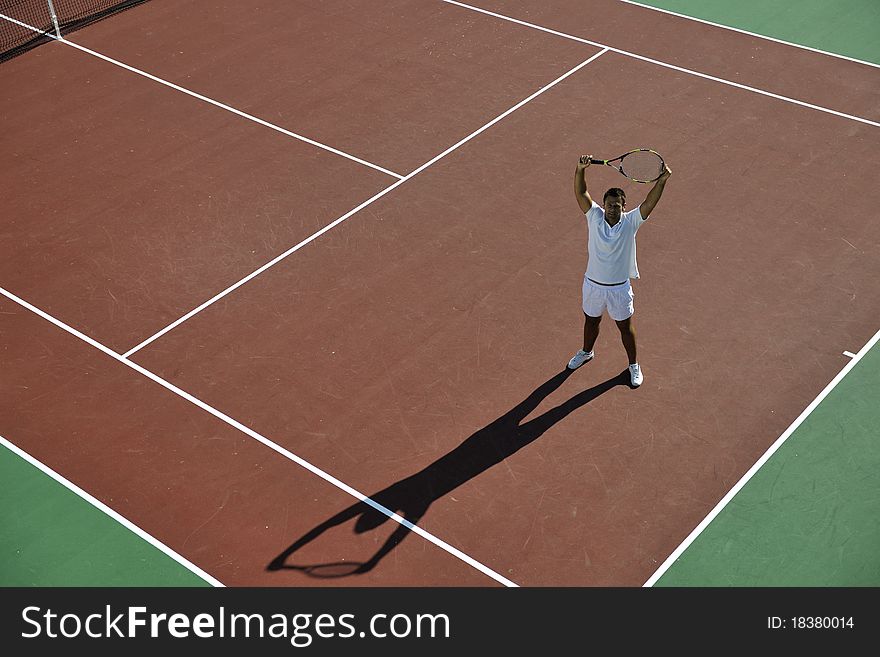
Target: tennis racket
641, 165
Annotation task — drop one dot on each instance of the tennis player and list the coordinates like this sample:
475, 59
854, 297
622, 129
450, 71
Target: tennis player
611, 263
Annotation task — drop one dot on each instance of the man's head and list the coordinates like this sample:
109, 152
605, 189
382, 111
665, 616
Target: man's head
614, 203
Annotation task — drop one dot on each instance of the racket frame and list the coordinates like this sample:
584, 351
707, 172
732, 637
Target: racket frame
619, 166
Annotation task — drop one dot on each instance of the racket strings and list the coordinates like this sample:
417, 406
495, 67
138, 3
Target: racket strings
642, 165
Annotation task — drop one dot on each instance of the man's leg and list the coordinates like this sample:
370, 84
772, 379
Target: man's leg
592, 302
628, 336
591, 331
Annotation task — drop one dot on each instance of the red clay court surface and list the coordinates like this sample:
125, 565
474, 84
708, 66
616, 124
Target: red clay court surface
416, 350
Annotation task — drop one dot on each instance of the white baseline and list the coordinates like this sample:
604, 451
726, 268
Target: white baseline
125, 522
759, 463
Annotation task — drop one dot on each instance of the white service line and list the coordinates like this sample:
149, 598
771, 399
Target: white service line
98, 504
759, 463
666, 65
752, 34
211, 101
262, 439
348, 214
259, 271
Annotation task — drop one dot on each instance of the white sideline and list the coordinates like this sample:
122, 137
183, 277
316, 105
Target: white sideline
265, 441
666, 65
752, 34
210, 101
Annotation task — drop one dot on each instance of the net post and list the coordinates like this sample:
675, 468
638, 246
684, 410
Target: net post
54, 18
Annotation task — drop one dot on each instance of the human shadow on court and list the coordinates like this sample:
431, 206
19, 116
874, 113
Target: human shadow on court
411, 497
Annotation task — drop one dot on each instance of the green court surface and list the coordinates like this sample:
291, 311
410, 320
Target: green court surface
809, 515
844, 27
53, 537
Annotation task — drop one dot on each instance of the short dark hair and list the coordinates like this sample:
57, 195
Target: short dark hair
615, 191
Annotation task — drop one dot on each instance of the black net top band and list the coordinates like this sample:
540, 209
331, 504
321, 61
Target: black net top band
28, 23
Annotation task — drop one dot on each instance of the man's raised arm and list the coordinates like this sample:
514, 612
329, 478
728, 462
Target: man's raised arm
654, 195
580, 184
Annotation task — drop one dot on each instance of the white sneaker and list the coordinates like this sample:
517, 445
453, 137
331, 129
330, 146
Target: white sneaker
635, 375
579, 359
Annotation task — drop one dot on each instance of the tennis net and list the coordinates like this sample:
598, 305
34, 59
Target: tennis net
25, 24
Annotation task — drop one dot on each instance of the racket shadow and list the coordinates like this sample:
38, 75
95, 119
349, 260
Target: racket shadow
412, 497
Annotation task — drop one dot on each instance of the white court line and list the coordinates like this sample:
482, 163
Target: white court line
849, 354
210, 101
666, 65
265, 441
752, 34
759, 463
259, 271
98, 504
348, 214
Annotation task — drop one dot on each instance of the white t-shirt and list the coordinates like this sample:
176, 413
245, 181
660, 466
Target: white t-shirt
612, 249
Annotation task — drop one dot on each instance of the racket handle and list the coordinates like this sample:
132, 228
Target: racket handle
592, 161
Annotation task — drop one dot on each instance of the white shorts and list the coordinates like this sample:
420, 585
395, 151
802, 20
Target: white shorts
618, 299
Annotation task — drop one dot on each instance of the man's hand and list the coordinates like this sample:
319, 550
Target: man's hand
584, 161
666, 173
